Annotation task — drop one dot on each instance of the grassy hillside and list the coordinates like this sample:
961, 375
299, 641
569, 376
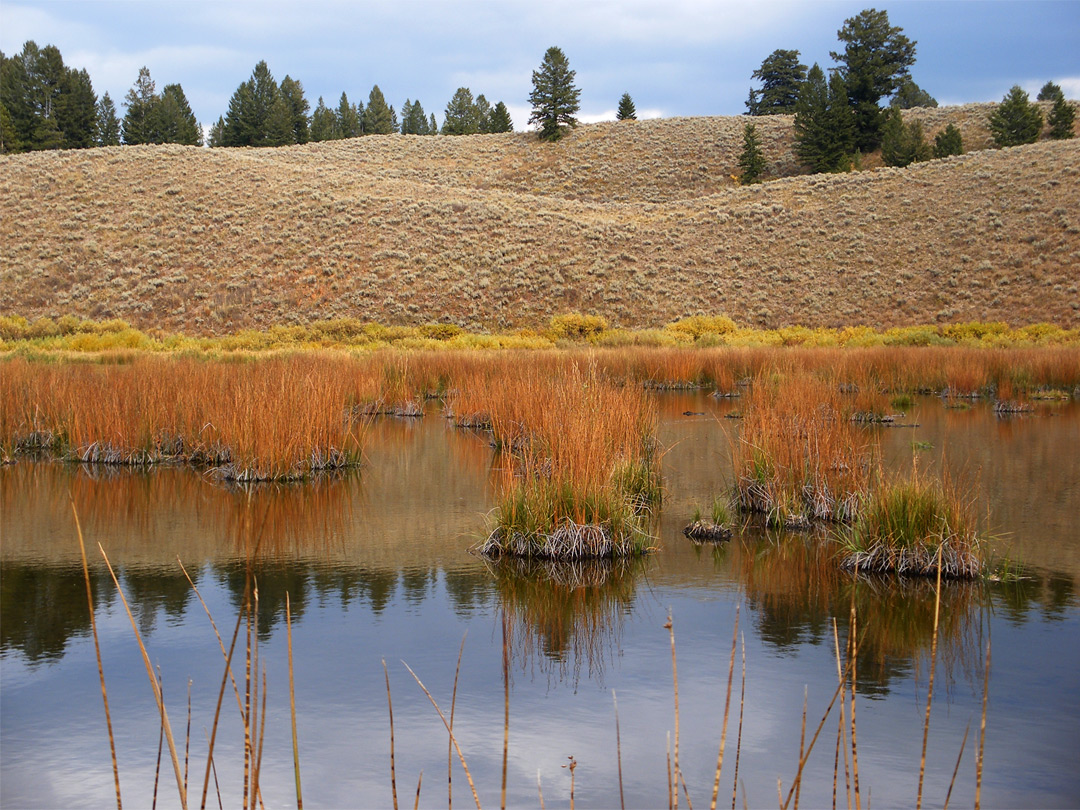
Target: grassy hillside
641, 222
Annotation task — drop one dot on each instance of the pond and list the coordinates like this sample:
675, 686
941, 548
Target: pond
376, 566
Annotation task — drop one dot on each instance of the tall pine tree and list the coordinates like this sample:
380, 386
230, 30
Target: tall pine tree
824, 123
248, 117
49, 105
781, 75
323, 122
176, 121
752, 158
500, 119
1061, 119
554, 97
349, 119
377, 117
626, 110
875, 61
76, 109
462, 115
292, 92
140, 124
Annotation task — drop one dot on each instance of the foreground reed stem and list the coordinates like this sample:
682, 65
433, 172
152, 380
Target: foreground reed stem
153, 683
97, 654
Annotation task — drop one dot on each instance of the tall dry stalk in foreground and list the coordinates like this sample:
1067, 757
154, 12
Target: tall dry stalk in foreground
155, 685
97, 654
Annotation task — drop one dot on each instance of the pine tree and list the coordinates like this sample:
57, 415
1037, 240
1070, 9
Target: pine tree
903, 143
176, 120
1016, 120
824, 123
139, 125
214, 138
483, 114
414, 120
875, 61
626, 110
49, 105
462, 116
8, 139
910, 95
1050, 92
76, 109
376, 117
323, 122
1061, 119
433, 125
292, 92
752, 158
249, 109
350, 120
500, 119
279, 124
781, 75
948, 142
554, 98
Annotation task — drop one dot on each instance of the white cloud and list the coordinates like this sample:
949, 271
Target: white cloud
22, 23
1070, 85
609, 115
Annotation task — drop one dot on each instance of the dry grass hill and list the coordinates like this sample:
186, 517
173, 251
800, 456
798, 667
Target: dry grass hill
641, 222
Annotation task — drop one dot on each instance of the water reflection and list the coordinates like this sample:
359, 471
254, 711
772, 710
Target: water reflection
797, 591
566, 617
44, 607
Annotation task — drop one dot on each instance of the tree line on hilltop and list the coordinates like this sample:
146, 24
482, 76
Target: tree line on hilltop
45, 104
837, 117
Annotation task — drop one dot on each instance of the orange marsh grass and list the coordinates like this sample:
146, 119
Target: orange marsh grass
799, 457
579, 465
274, 418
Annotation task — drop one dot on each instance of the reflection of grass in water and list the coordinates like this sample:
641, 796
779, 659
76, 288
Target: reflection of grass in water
796, 584
567, 612
287, 518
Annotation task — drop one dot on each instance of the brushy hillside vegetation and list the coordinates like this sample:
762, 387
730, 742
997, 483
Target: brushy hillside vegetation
640, 222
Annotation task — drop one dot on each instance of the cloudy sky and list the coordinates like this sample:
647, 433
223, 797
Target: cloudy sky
675, 57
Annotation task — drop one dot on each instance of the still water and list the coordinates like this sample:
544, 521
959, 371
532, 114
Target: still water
377, 568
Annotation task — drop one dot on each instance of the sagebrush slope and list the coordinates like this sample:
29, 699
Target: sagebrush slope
641, 222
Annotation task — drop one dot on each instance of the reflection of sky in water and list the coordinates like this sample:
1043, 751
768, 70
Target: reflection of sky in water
55, 751
396, 583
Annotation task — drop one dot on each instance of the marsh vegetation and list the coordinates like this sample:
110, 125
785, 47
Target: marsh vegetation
537, 440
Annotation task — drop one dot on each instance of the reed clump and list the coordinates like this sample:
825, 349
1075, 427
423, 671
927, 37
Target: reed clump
798, 459
579, 462
906, 526
276, 418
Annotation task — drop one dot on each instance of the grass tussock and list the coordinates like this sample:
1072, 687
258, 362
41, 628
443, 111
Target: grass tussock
798, 458
911, 527
282, 418
579, 464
